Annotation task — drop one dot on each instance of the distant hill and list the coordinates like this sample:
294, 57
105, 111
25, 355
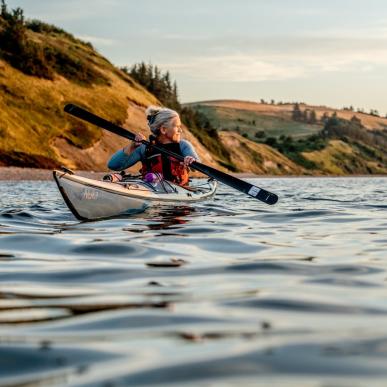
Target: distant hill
275, 119
250, 118
353, 142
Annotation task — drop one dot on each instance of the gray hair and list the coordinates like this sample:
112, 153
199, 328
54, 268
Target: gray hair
158, 117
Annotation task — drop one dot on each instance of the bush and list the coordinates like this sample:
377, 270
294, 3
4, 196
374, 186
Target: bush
271, 141
40, 27
15, 48
293, 149
72, 68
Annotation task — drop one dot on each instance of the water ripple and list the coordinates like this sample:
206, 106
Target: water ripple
217, 293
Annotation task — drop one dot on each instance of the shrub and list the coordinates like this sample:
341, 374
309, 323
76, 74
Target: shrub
259, 134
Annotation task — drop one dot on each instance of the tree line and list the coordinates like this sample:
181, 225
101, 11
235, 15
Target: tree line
156, 82
298, 113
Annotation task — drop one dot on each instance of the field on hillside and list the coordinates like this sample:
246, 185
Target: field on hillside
274, 119
252, 122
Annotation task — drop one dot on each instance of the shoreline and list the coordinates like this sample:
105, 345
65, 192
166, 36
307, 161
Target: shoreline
19, 174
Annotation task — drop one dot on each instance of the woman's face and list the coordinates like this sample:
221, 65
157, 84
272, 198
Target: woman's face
172, 133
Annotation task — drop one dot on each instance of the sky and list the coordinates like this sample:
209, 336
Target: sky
322, 52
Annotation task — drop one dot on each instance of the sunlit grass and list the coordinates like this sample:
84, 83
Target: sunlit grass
31, 108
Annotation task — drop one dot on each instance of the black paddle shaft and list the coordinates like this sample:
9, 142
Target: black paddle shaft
240, 185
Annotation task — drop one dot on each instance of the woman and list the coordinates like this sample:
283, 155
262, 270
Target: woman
166, 131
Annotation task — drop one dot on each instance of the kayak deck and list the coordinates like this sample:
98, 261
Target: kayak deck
90, 199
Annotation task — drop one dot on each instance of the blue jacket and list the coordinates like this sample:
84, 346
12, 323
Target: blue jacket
120, 160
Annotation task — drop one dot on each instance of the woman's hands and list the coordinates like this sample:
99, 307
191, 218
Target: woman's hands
188, 160
134, 144
137, 140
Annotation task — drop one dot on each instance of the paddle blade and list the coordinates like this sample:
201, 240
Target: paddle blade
240, 185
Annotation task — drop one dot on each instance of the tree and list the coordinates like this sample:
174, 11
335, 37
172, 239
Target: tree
271, 141
15, 47
312, 117
3, 9
156, 82
259, 134
297, 114
324, 117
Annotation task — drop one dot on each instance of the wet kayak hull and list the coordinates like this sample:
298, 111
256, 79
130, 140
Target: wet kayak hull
90, 199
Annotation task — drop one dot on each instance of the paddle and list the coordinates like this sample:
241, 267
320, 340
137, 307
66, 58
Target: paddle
240, 185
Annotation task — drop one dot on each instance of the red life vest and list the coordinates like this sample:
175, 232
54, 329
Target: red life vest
170, 168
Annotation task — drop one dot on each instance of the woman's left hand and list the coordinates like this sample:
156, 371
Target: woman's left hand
188, 160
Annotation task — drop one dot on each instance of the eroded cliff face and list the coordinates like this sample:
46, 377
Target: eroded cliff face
250, 157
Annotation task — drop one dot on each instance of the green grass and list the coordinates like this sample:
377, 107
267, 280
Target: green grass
249, 122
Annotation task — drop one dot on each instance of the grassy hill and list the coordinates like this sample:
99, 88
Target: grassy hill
341, 158
43, 69
31, 105
249, 118
274, 119
337, 142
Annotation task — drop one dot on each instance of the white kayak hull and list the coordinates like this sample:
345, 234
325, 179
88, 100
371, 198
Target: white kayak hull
90, 199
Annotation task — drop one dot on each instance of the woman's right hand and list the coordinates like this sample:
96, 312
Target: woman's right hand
137, 140
134, 144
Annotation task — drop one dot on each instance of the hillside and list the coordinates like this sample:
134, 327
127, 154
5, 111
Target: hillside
258, 159
34, 130
250, 118
275, 119
338, 142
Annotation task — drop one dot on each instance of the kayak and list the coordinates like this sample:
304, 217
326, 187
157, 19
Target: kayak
90, 199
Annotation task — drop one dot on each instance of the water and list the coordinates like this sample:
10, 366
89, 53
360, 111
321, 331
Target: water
220, 293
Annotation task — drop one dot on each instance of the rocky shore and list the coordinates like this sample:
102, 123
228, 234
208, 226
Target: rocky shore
15, 173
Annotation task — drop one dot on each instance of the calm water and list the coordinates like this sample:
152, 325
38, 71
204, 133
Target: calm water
220, 293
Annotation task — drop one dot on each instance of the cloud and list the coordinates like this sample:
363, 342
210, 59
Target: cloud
239, 68
273, 64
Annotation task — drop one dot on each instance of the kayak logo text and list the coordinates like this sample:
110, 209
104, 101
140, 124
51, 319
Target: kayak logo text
89, 194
